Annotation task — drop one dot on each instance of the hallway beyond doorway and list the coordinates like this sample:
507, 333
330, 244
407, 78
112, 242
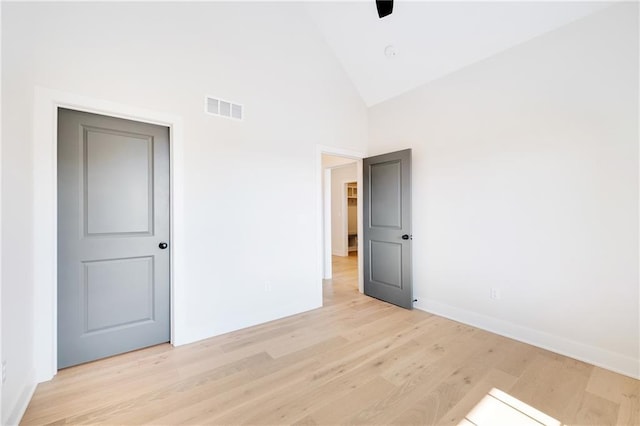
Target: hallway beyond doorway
344, 281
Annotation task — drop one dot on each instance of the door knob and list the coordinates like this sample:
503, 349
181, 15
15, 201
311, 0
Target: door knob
406, 237
163, 245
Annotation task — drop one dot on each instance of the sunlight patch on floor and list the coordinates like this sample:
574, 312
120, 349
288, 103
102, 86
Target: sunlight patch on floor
498, 408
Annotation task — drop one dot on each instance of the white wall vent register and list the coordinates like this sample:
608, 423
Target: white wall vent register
222, 108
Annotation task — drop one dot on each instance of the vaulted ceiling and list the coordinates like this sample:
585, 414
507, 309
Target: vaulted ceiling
426, 40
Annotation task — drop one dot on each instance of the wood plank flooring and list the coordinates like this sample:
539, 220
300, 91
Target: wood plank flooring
357, 360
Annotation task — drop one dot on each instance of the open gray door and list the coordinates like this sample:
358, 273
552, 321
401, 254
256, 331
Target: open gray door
387, 228
113, 236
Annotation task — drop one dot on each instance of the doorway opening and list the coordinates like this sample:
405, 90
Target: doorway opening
384, 222
342, 212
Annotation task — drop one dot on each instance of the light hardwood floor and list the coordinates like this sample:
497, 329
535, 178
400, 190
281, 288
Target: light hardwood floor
356, 360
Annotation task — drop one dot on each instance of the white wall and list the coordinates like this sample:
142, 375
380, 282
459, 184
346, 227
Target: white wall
340, 176
238, 175
17, 310
525, 178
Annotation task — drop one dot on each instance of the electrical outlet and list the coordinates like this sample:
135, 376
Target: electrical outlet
495, 293
4, 371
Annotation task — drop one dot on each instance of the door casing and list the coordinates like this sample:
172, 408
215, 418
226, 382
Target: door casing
46, 104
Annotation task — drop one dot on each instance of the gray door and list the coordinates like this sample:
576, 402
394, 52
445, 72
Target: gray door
387, 228
113, 216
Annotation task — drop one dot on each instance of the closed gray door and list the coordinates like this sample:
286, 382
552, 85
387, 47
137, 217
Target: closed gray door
387, 228
113, 215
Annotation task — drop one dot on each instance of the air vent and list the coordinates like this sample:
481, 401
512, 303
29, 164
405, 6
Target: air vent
222, 108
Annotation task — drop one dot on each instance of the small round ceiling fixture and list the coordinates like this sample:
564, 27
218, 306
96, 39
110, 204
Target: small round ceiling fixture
390, 51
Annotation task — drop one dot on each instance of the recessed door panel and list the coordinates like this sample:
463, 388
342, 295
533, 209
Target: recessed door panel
386, 195
118, 182
113, 213
386, 263
118, 292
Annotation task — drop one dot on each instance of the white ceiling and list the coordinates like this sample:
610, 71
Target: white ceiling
431, 39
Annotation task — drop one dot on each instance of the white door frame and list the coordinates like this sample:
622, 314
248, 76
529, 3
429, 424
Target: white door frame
327, 241
45, 123
324, 241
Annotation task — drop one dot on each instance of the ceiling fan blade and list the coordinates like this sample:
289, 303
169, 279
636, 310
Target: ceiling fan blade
385, 7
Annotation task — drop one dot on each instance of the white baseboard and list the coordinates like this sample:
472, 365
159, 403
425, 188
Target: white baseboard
195, 335
613, 361
17, 411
